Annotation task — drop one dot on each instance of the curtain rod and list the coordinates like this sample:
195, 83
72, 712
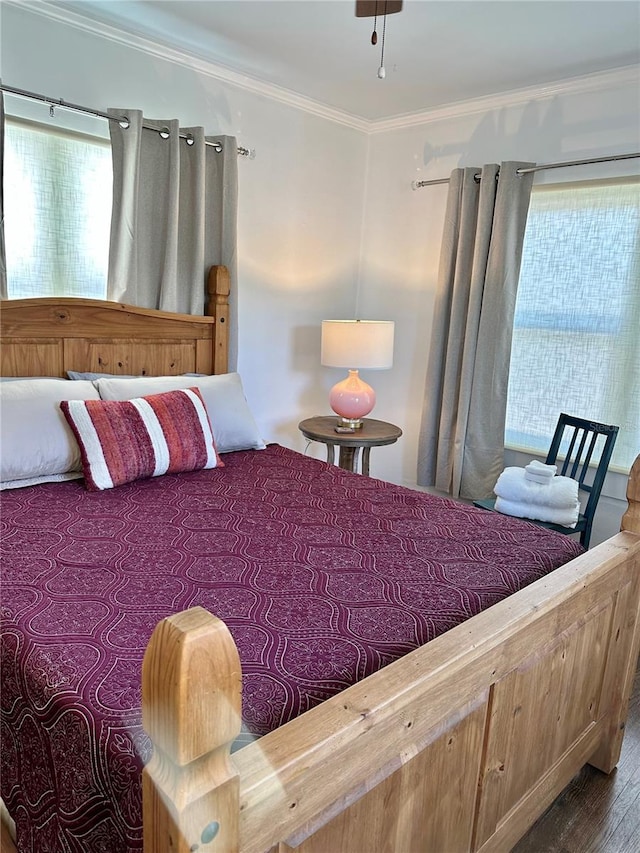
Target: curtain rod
123, 121
417, 184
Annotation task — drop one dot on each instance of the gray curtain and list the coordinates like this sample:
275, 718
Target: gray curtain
461, 445
174, 215
3, 256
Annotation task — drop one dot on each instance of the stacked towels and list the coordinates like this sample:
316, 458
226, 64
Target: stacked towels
535, 492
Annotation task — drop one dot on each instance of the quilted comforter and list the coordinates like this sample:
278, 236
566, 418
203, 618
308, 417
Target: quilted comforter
322, 577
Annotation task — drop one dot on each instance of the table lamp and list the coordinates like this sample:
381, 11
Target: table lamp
355, 344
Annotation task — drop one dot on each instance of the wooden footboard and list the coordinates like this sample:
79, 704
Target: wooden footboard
459, 745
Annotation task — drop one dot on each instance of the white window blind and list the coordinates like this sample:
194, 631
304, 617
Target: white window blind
576, 342
57, 200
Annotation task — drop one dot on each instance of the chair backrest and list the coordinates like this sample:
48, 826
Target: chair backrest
583, 437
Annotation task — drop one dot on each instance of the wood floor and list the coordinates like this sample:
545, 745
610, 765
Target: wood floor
594, 814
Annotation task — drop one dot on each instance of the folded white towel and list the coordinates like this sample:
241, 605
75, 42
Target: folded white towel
560, 492
536, 478
566, 517
541, 468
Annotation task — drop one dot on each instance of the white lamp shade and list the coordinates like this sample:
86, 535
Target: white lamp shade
357, 344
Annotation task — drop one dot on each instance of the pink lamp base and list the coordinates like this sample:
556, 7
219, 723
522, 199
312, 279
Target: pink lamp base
352, 399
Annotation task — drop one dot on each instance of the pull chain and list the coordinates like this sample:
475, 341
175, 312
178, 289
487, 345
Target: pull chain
374, 34
381, 71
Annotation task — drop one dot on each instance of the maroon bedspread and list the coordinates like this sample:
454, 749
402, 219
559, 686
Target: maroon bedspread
322, 577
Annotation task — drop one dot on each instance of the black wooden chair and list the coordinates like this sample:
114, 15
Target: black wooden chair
583, 437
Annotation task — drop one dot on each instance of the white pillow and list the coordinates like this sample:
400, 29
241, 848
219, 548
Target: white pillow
36, 442
234, 427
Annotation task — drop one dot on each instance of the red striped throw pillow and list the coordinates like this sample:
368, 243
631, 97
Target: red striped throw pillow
122, 441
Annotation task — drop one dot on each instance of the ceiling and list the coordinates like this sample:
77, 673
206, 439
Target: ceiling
437, 52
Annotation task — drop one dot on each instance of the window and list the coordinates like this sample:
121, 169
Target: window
57, 202
576, 341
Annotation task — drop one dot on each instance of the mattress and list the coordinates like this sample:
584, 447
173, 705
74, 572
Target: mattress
322, 577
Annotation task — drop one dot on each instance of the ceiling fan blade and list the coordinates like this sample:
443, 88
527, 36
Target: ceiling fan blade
370, 8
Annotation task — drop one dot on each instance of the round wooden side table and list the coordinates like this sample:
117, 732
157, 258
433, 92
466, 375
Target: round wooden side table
372, 434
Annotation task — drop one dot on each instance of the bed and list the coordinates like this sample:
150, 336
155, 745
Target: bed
457, 744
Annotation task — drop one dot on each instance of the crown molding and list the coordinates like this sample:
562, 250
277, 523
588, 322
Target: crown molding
597, 81
185, 59
628, 74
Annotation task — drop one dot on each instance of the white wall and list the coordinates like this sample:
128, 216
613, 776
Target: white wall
329, 226
300, 200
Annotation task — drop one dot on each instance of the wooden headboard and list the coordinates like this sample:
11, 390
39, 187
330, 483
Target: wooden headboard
48, 336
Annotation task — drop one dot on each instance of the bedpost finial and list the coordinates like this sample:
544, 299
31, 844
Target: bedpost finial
631, 518
191, 664
191, 710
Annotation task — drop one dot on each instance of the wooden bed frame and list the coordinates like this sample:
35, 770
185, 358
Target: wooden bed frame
459, 745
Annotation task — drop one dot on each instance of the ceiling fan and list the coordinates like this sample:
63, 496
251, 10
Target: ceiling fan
371, 9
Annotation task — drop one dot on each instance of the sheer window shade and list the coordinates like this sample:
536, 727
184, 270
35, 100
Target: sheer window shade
576, 342
57, 203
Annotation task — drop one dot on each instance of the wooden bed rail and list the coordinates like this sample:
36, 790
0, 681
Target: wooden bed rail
459, 745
